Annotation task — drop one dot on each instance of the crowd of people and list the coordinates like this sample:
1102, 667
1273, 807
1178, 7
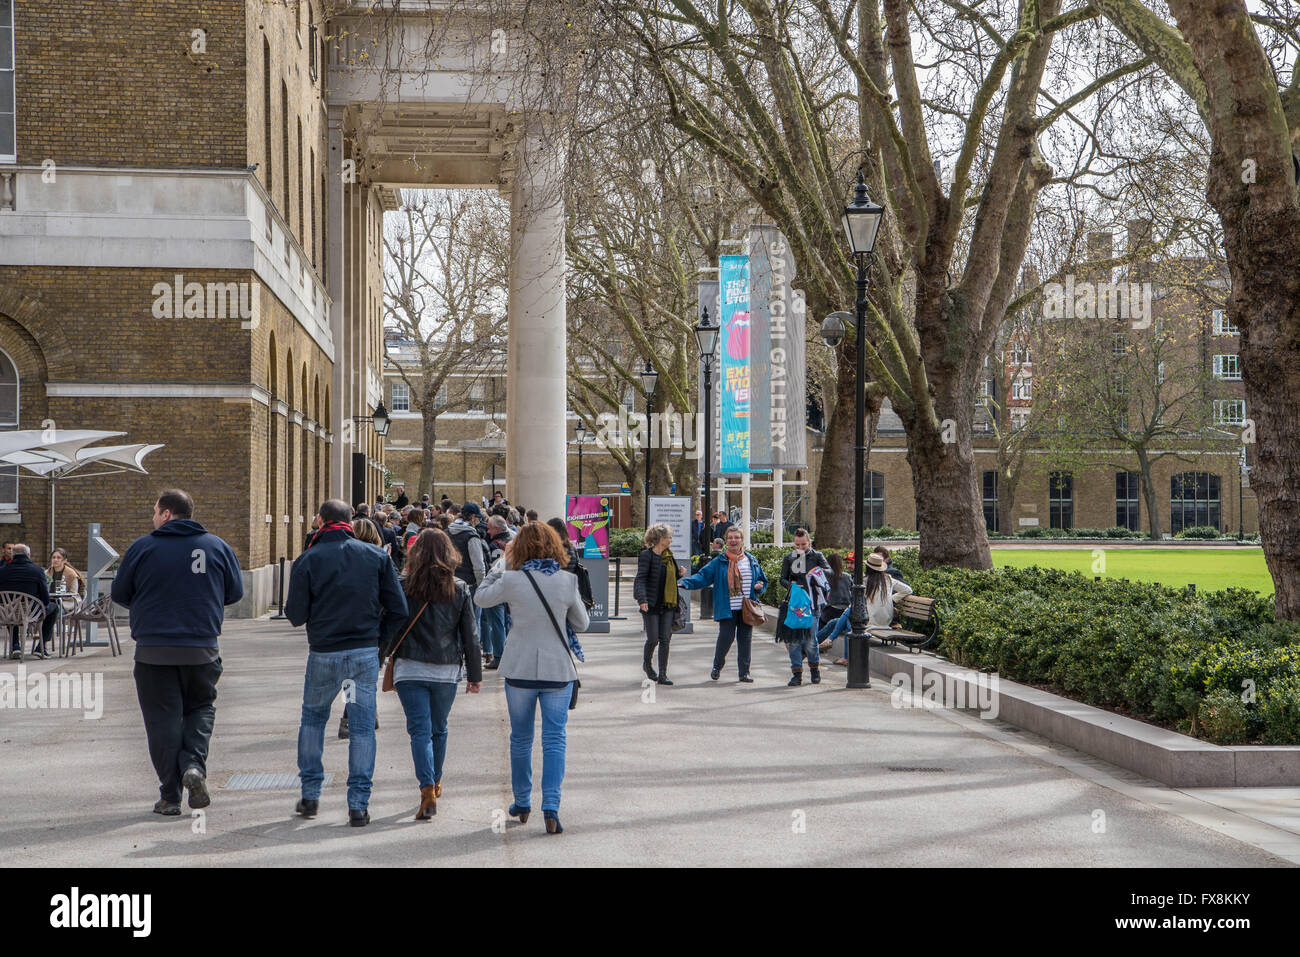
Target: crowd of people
436, 595
442, 593
18, 573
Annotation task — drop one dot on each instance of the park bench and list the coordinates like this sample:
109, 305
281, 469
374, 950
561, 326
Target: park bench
921, 612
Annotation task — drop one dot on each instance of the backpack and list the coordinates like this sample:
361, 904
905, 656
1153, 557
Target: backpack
584, 584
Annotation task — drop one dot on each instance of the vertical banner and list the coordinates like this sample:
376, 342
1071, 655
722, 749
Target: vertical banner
777, 326
710, 299
733, 346
588, 519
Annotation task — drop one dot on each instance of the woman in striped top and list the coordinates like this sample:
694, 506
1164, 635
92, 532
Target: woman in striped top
734, 575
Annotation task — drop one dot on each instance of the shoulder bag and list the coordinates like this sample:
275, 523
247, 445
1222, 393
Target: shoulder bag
573, 699
388, 668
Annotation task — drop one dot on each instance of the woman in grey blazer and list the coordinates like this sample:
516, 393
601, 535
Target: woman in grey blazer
538, 662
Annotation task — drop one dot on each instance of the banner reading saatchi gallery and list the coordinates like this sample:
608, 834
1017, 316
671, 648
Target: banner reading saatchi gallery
777, 390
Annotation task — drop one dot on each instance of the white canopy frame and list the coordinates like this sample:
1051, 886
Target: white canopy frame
58, 454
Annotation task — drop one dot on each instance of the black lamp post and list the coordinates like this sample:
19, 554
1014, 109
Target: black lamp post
861, 220
649, 381
706, 338
581, 434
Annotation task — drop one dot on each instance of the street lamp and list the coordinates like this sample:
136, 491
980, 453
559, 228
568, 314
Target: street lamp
861, 220
649, 382
379, 420
580, 433
706, 339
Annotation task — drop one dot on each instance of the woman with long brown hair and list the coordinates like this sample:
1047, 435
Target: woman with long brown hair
538, 662
437, 647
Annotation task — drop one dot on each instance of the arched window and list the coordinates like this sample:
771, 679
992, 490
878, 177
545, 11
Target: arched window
8, 422
1193, 500
873, 505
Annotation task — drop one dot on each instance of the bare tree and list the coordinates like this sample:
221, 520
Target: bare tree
444, 291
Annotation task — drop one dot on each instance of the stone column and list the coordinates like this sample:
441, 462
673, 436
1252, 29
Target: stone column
339, 464
536, 399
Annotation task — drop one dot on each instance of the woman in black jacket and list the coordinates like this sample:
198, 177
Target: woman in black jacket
437, 648
655, 592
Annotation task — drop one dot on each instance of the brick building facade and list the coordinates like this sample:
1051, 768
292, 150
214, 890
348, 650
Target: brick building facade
183, 145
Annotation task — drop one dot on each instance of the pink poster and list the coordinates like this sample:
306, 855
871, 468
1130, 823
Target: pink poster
588, 519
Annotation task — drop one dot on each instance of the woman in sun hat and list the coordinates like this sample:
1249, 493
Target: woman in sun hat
881, 588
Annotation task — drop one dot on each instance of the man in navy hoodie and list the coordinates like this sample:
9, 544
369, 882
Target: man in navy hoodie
347, 594
177, 581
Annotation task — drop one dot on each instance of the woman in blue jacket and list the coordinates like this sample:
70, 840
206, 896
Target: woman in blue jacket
734, 575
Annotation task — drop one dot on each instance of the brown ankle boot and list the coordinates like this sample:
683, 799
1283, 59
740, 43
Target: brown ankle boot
428, 804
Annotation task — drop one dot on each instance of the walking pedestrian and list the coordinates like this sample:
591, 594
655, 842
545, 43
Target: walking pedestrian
538, 662
655, 591
801, 642
347, 594
492, 620
438, 649
177, 581
734, 576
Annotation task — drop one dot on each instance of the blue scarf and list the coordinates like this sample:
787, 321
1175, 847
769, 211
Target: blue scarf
549, 566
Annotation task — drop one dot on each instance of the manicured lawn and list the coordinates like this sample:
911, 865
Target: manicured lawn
1209, 569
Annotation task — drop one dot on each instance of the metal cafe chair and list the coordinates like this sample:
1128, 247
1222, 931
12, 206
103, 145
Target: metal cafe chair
24, 612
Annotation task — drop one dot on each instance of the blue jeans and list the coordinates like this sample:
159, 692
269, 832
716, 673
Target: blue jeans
326, 672
833, 629
427, 704
522, 705
805, 647
493, 630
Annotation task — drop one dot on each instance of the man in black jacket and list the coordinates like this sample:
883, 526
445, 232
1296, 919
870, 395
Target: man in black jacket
401, 496
21, 574
177, 581
347, 594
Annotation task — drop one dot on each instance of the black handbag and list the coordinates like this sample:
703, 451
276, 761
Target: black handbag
573, 699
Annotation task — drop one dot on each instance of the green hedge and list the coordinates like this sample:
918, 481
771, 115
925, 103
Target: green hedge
1199, 532
1160, 654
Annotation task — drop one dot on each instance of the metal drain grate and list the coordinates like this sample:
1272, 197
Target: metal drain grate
920, 770
267, 781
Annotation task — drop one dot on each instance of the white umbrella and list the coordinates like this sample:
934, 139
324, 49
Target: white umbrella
55, 454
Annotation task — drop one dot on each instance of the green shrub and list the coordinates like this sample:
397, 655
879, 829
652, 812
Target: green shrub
1146, 649
1279, 712
1222, 718
626, 542
1199, 532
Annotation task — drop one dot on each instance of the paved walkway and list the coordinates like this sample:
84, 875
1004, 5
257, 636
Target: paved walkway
702, 773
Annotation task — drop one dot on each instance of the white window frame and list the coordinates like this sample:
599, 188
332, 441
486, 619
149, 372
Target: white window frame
1225, 370
1022, 387
402, 404
1229, 411
1222, 327
11, 158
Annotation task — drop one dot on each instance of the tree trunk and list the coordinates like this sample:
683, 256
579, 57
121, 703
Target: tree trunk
1149, 496
428, 441
1270, 345
1006, 500
949, 505
833, 521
